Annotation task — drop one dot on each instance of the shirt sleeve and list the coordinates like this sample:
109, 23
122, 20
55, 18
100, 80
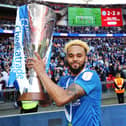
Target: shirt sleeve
87, 80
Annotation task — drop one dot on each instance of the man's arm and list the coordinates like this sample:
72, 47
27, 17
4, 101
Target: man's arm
58, 94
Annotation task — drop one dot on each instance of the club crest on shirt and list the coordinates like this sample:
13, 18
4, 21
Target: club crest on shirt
87, 76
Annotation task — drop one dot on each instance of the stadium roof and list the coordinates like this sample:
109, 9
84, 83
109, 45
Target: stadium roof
91, 2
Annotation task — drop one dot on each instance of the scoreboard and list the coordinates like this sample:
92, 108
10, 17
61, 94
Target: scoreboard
94, 16
84, 16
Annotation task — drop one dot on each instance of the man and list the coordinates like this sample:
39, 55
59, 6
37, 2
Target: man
80, 92
119, 87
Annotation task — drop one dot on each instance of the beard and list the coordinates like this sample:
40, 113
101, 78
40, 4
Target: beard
76, 71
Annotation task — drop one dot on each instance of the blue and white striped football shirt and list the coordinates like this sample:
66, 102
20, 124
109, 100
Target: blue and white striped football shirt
86, 111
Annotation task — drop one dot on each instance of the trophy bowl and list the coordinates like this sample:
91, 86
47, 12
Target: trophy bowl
37, 38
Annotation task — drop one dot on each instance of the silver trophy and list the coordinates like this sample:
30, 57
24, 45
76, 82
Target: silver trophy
41, 24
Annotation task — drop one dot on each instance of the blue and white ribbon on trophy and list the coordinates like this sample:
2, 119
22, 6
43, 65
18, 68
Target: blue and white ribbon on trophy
18, 62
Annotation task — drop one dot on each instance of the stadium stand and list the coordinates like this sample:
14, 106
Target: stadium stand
107, 58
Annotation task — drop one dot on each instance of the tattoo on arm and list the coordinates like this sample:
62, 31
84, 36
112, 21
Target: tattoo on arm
74, 91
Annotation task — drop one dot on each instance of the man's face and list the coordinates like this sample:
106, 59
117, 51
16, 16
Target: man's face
76, 58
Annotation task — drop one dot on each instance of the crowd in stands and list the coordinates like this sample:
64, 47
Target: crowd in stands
6, 55
7, 25
107, 56
10, 25
89, 30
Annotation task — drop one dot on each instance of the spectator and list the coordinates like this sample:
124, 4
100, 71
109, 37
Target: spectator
119, 87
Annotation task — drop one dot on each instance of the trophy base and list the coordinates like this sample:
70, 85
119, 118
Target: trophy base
31, 96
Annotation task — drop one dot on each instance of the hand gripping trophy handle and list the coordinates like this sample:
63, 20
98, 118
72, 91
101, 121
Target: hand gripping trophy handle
41, 24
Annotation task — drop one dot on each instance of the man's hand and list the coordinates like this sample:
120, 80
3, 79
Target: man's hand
36, 63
